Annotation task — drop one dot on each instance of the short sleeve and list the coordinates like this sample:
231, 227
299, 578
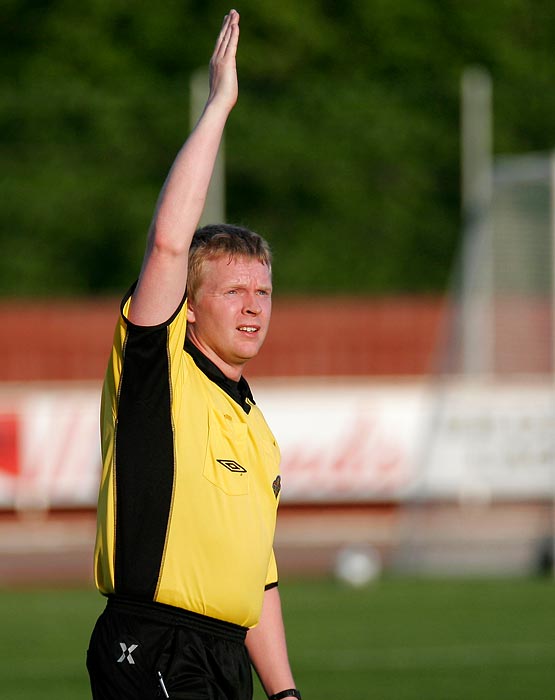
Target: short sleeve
272, 574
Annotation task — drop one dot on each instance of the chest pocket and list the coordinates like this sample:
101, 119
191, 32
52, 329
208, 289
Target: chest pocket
226, 461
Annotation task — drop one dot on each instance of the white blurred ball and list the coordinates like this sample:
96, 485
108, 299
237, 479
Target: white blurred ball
357, 566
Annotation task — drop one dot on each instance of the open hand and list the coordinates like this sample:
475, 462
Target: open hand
223, 70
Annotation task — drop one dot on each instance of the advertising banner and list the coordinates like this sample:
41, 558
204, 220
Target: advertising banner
341, 441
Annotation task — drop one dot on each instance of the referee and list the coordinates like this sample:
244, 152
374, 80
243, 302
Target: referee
190, 483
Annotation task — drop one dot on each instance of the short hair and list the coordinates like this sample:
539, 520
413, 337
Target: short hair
217, 240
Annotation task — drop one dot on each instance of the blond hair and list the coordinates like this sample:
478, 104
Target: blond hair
223, 240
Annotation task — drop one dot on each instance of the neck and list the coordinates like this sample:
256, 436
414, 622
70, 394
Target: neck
231, 371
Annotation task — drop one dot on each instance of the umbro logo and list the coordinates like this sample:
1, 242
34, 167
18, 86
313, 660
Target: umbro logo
232, 465
127, 652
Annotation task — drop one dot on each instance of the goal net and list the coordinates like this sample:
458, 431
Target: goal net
483, 496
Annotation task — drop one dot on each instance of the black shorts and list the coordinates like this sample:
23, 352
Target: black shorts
143, 651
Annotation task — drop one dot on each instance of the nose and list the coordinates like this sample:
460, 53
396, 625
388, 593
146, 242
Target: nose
252, 305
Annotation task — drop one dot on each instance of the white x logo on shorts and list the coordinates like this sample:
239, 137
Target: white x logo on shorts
127, 651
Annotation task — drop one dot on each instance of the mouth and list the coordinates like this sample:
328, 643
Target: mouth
250, 330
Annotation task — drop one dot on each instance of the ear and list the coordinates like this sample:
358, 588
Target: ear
190, 313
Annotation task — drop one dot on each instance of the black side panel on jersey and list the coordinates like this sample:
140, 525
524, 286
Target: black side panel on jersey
144, 462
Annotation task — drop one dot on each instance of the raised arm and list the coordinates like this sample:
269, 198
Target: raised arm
164, 271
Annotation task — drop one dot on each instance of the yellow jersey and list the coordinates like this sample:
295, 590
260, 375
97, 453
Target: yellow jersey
190, 482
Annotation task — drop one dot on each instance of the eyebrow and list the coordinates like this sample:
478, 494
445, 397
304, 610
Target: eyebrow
243, 285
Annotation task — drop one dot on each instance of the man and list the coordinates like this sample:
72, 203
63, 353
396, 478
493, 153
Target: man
190, 482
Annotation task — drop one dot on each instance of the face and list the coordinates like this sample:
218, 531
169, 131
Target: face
229, 317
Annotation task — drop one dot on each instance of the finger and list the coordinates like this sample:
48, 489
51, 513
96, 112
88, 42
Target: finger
221, 35
230, 35
233, 41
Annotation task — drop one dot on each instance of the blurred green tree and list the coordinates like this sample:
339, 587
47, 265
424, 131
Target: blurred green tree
343, 149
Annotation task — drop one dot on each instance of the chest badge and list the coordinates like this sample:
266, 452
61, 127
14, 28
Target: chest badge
276, 486
232, 465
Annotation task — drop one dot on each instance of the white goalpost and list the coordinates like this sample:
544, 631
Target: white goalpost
485, 491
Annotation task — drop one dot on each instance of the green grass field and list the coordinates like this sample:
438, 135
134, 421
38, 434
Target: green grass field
402, 639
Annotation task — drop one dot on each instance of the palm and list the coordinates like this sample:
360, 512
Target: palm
223, 70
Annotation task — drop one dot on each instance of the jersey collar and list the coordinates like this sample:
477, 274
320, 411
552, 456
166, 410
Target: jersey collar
239, 391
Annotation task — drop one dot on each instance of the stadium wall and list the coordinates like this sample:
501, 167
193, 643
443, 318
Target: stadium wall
349, 389
394, 336
54, 353
346, 385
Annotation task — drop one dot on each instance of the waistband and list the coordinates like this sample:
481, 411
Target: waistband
170, 615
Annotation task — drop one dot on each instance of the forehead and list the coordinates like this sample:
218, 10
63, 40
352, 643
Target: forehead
222, 270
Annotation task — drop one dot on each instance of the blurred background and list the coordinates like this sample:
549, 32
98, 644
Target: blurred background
398, 158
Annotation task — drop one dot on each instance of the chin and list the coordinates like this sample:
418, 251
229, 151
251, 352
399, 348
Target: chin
248, 354
250, 349
247, 357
